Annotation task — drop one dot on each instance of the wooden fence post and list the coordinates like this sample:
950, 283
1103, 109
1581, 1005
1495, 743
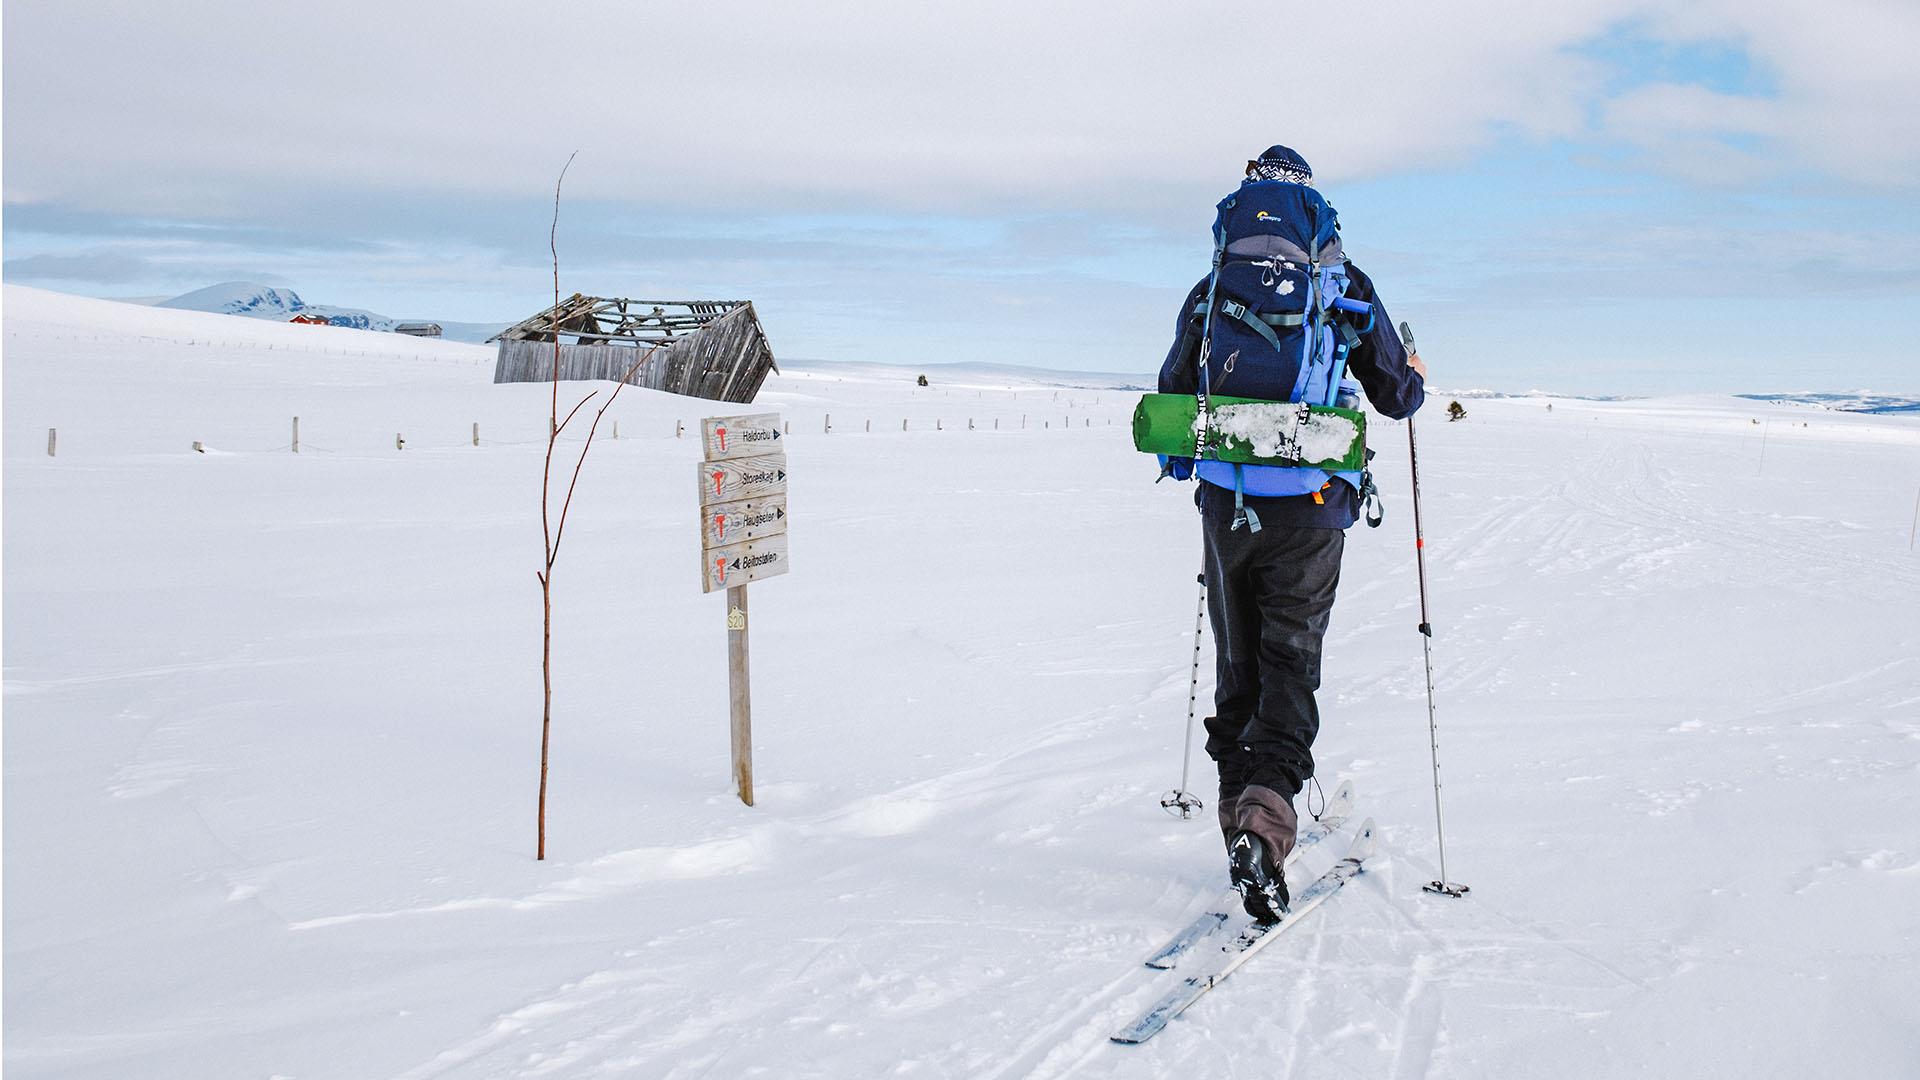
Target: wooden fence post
476, 431
53, 436
678, 427
296, 434
738, 698
398, 442
826, 427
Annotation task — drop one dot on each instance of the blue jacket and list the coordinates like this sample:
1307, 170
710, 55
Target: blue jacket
1378, 363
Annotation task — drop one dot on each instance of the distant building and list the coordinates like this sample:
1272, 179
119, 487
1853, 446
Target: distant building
712, 349
418, 329
309, 320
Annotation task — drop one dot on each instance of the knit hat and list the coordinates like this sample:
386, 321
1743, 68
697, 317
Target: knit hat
1280, 163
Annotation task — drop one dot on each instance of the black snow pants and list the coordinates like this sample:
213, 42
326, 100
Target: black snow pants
1269, 594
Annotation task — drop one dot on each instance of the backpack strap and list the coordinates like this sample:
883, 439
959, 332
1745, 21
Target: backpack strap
1370, 503
1227, 307
1242, 515
1260, 324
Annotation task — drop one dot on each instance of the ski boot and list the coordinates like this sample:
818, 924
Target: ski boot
1262, 887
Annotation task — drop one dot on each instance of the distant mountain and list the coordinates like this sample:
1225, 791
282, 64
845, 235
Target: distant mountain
267, 302
1864, 401
976, 371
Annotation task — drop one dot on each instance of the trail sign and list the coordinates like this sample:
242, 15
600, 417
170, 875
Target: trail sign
748, 519
743, 537
736, 564
742, 436
742, 478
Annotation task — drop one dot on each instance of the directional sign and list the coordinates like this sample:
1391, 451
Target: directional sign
737, 564
742, 478
748, 519
742, 436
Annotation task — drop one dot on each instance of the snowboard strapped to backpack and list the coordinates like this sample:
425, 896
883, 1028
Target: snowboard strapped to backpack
1275, 326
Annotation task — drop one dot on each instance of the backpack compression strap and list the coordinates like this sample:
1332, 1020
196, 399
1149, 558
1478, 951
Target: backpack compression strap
1259, 324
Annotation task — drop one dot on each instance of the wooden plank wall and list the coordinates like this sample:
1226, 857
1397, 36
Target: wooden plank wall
728, 360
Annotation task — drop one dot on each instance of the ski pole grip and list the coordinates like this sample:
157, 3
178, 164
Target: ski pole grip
1427, 629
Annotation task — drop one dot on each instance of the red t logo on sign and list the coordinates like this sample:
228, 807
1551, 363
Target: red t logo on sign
719, 478
721, 434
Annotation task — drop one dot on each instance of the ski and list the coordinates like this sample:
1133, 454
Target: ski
1166, 957
1251, 939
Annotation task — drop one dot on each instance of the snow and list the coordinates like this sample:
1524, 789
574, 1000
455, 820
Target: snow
271, 735
1277, 430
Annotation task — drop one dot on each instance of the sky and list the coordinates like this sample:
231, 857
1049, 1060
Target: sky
1593, 196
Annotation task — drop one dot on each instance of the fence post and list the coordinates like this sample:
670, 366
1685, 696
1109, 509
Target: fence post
903, 424
398, 442
826, 426
53, 436
296, 434
476, 431
869, 427
678, 427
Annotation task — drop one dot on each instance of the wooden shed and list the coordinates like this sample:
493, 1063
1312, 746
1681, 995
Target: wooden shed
711, 349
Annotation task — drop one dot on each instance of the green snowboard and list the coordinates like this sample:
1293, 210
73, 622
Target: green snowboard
1253, 432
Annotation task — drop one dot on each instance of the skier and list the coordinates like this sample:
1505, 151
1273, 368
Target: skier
1274, 536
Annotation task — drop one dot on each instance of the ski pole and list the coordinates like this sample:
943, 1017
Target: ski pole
1441, 885
1180, 800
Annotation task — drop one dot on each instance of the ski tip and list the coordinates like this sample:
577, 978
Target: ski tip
1362, 842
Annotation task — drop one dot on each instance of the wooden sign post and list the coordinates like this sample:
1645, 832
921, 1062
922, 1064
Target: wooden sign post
743, 538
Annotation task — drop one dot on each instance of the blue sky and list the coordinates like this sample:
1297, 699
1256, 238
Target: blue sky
1605, 196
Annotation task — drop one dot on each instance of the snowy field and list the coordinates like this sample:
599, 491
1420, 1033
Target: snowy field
272, 724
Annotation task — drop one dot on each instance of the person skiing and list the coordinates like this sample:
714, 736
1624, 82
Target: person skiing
1274, 536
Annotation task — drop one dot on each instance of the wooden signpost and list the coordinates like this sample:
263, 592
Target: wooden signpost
743, 538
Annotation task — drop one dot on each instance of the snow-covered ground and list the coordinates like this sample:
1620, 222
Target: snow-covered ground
272, 722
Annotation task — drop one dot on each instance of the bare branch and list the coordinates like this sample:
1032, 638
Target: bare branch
567, 503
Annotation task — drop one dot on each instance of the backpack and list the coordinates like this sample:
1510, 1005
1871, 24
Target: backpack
1276, 323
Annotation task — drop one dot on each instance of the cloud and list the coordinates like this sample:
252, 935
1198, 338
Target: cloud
102, 268
763, 107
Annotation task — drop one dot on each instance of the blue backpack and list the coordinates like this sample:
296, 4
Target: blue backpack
1276, 323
